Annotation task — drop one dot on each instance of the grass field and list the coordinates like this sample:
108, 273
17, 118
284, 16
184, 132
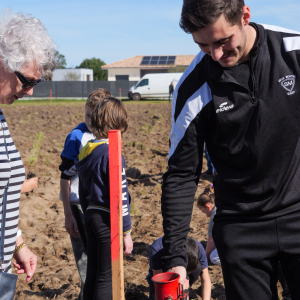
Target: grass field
79, 102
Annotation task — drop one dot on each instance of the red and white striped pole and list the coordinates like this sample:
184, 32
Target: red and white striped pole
116, 220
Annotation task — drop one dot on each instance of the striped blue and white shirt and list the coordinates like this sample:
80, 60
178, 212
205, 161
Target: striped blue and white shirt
11, 171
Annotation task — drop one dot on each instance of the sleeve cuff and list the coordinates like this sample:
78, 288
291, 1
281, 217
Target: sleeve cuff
174, 262
64, 176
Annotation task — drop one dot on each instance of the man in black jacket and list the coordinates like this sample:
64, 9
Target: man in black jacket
241, 95
171, 90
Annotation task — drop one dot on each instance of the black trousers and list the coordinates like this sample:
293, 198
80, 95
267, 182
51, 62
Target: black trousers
250, 252
192, 279
98, 284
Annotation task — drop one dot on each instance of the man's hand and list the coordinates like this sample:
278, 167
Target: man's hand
25, 262
182, 272
71, 225
128, 244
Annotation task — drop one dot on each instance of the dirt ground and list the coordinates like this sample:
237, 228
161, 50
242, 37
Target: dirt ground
145, 148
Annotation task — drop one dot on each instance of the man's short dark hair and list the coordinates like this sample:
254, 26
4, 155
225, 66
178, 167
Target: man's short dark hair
198, 14
192, 252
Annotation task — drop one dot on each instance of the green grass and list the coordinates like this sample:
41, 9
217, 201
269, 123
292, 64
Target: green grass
133, 209
35, 149
46, 102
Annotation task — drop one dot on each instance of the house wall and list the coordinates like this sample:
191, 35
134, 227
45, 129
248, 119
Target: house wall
59, 74
134, 73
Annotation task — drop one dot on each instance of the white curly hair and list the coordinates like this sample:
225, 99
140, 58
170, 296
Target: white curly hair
25, 41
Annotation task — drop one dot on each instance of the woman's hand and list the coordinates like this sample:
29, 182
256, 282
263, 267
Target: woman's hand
25, 262
128, 244
29, 185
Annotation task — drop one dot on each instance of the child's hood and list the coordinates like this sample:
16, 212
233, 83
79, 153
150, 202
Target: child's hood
89, 156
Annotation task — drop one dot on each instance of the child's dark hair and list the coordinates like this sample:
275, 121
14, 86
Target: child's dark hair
192, 252
208, 196
109, 114
96, 96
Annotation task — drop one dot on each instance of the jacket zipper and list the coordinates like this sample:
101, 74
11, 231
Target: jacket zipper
252, 94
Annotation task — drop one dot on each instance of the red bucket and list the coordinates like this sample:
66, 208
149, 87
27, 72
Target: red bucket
166, 286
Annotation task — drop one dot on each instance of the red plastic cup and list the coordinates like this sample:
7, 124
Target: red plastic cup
166, 286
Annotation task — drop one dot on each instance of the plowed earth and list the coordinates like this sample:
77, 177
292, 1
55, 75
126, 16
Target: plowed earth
145, 148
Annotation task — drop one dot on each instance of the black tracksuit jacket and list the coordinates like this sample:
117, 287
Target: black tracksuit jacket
252, 137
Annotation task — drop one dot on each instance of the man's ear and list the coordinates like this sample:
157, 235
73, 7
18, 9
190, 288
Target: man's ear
246, 16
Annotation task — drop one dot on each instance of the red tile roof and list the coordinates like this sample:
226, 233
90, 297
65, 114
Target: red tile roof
135, 62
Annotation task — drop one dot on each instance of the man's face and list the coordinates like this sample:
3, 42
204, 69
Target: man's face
87, 117
11, 86
224, 42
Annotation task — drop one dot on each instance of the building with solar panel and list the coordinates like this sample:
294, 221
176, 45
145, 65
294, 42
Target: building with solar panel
134, 68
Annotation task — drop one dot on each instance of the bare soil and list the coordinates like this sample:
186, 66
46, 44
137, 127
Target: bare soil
145, 148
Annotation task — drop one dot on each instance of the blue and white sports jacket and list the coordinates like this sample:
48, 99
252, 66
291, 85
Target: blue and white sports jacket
93, 170
75, 141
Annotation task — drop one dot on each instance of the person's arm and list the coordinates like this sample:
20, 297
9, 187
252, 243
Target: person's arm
70, 222
29, 185
181, 179
25, 260
205, 284
210, 247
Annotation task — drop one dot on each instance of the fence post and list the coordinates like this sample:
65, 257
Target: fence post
120, 93
116, 220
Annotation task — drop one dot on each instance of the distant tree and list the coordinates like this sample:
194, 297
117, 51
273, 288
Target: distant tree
71, 76
177, 69
61, 60
95, 64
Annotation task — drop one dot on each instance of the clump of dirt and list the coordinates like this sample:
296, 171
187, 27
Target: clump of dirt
145, 148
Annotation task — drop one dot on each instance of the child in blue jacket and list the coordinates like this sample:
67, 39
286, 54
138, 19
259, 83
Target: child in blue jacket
93, 171
74, 217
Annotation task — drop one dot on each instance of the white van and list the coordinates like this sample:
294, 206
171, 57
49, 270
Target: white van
153, 86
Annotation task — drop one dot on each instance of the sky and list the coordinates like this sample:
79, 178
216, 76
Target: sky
117, 29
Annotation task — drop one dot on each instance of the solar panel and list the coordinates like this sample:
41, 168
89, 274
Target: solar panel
146, 60
158, 60
171, 60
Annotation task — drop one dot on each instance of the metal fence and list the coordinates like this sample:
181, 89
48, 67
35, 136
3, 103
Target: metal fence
77, 89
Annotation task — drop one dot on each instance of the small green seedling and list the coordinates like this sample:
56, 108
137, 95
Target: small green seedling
38, 141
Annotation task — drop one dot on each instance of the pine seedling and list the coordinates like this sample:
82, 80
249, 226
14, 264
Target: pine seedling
38, 141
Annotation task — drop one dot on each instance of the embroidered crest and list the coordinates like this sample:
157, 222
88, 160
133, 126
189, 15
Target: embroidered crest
288, 83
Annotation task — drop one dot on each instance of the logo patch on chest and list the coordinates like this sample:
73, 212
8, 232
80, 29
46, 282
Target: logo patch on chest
224, 106
288, 83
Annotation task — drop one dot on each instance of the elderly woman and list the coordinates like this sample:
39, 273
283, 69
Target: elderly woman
27, 55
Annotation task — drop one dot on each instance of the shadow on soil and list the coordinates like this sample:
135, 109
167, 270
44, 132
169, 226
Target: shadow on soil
136, 292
